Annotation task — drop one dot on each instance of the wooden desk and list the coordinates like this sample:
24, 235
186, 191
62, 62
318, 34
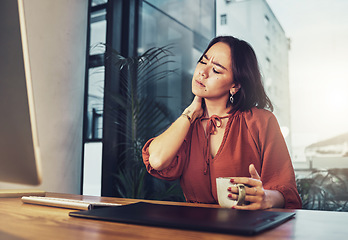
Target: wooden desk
26, 221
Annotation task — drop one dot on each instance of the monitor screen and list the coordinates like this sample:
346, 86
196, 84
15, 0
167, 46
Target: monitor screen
19, 148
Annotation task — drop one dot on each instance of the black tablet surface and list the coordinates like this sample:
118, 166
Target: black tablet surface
232, 221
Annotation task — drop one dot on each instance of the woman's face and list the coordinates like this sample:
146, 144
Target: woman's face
213, 78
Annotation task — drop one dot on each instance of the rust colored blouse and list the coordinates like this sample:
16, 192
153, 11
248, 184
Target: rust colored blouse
250, 137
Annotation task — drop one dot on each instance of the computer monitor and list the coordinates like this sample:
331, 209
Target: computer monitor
19, 145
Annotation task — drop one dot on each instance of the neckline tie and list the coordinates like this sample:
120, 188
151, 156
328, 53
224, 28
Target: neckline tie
214, 122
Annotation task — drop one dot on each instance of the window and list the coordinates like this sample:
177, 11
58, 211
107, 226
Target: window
268, 42
268, 64
94, 98
131, 28
223, 19
95, 75
266, 20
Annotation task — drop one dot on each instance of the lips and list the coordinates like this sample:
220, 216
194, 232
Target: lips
200, 83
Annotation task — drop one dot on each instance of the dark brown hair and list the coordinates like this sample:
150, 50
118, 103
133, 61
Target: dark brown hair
246, 73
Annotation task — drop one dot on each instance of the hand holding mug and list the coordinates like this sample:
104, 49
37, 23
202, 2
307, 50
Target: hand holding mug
256, 195
222, 186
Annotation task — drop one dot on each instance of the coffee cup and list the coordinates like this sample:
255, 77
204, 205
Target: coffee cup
222, 184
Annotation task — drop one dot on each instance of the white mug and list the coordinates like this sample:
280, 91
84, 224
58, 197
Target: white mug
222, 184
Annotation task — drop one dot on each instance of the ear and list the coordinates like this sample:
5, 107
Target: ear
234, 88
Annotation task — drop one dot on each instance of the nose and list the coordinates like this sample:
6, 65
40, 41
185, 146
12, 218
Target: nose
203, 71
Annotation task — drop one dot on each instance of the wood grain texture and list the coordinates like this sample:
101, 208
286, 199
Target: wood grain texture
26, 221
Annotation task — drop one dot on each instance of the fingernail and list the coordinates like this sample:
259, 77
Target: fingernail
231, 180
229, 195
229, 189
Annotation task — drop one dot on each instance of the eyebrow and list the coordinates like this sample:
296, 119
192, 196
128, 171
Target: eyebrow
217, 64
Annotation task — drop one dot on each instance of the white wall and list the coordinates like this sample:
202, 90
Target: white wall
57, 33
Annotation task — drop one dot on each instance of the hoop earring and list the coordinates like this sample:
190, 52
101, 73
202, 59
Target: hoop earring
231, 98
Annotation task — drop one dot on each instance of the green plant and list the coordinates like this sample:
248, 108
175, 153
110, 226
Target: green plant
324, 190
138, 117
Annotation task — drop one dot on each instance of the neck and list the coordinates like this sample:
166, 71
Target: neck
216, 108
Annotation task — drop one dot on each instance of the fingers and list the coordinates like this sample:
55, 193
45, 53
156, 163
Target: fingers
198, 99
197, 102
250, 182
253, 173
195, 109
248, 198
252, 206
253, 191
255, 179
255, 194
253, 202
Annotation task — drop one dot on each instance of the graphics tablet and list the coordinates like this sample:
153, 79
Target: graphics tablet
243, 222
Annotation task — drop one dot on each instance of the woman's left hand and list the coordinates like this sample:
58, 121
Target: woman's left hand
256, 195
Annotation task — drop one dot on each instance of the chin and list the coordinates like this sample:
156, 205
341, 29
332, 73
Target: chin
197, 93
200, 93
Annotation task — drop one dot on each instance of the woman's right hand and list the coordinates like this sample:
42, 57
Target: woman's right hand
194, 110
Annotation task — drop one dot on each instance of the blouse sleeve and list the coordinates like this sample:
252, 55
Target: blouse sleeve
277, 172
174, 170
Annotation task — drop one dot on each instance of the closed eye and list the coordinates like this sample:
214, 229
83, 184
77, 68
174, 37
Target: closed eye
202, 62
216, 71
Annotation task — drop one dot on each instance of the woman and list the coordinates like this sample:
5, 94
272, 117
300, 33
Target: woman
226, 132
